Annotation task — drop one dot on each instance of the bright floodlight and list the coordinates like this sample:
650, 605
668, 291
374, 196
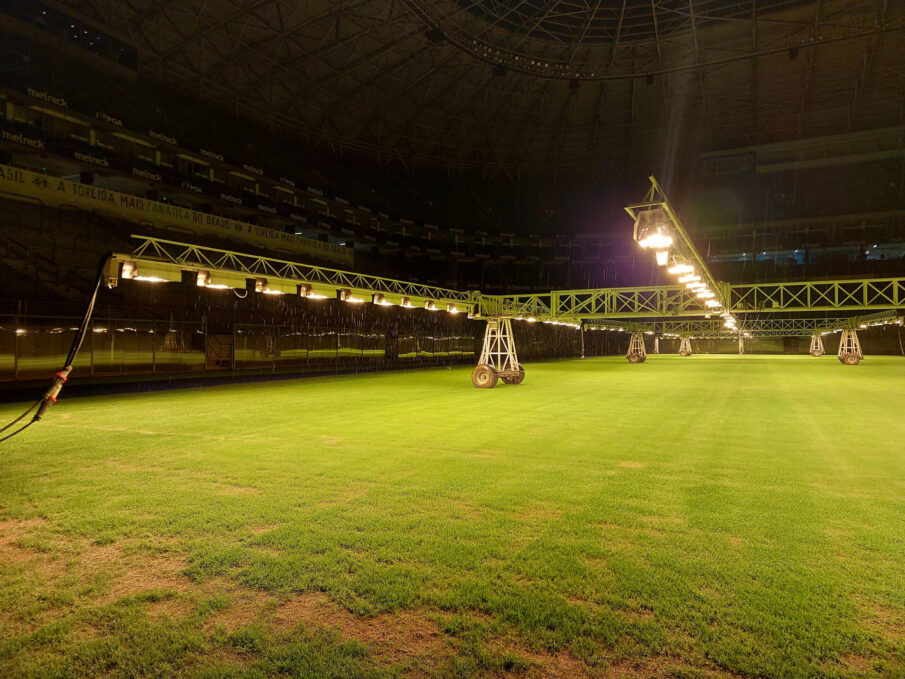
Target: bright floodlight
678, 269
274, 287
203, 280
662, 257
659, 239
689, 278
347, 296
451, 308
307, 291
151, 272
261, 285
220, 280
652, 230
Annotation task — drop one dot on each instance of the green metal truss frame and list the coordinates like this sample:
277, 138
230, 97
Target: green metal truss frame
596, 303
750, 326
851, 295
804, 297
801, 298
805, 306
197, 257
684, 247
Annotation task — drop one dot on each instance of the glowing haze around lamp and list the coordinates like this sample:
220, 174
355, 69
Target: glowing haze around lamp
151, 272
220, 280
307, 291
679, 268
347, 296
274, 287
652, 230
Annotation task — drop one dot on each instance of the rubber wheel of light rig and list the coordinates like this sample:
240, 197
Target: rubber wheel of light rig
484, 377
515, 379
635, 358
684, 353
851, 359
818, 353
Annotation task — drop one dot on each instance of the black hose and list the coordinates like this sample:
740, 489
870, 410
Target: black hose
50, 396
10, 424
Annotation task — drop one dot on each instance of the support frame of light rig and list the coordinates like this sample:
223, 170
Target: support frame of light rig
339, 284
774, 309
795, 308
673, 301
498, 359
637, 353
849, 352
677, 252
751, 326
817, 349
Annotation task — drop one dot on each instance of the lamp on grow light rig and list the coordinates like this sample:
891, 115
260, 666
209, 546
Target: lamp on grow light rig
652, 231
657, 227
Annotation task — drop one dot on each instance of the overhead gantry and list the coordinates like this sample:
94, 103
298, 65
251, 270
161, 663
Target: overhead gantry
159, 260
695, 306
808, 309
711, 307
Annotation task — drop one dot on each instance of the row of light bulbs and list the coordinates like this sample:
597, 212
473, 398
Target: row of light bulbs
131, 271
865, 326
307, 291
659, 239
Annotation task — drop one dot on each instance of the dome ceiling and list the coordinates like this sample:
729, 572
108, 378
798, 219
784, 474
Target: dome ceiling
528, 85
572, 22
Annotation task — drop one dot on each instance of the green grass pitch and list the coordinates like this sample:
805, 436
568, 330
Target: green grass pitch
716, 516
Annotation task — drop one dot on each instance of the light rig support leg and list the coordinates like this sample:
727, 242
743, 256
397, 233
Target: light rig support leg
498, 360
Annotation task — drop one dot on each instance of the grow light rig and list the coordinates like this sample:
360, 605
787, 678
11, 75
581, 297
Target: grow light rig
657, 228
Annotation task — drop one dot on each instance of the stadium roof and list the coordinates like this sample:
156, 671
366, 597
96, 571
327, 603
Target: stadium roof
522, 85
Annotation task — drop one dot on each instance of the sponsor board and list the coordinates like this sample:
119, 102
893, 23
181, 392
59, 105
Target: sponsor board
20, 138
54, 191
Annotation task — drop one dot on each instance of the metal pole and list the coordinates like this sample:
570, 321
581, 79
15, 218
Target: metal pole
16, 340
582, 339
